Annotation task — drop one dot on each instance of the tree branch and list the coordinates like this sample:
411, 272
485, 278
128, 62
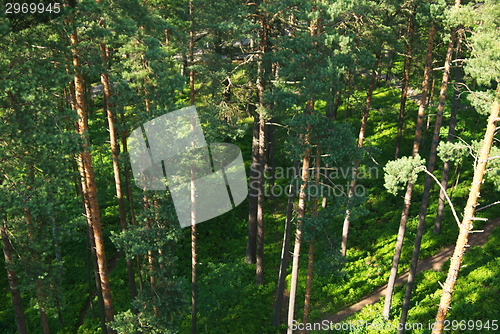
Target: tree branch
445, 194
487, 206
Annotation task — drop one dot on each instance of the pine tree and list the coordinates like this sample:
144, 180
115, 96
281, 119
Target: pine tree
410, 185
406, 78
483, 67
15, 293
428, 180
451, 131
87, 175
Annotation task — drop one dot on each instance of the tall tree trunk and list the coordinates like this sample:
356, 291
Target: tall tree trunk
310, 258
307, 298
15, 293
409, 187
44, 320
466, 225
263, 71
284, 249
130, 199
300, 217
253, 194
428, 185
150, 259
259, 268
405, 83
97, 280
451, 135
87, 175
91, 255
270, 161
336, 104
58, 255
194, 269
115, 152
357, 162
194, 264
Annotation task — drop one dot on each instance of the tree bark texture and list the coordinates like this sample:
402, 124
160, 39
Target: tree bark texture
115, 152
87, 177
467, 222
427, 186
405, 83
300, 217
280, 290
357, 162
310, 257
15, 293
409, 188
451, 135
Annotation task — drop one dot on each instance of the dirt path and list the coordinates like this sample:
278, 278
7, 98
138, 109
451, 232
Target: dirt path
434, 262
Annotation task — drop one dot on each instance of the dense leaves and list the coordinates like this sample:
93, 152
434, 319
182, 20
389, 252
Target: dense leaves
306, 67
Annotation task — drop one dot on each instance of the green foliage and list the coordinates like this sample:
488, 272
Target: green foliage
401, 171
456, 152
148, 45
484, 65
453, 152
335, 141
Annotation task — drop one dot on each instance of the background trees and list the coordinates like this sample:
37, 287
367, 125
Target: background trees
293, 83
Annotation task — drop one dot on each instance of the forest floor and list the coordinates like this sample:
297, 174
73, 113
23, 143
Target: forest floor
434, 262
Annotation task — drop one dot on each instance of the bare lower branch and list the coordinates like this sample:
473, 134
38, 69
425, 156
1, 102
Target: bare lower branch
487, 206
445, 194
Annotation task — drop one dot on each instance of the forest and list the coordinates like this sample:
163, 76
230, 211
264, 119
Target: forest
250, 166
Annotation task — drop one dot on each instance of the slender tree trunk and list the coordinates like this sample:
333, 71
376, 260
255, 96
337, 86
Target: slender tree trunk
194, 260
130, 199
451, 136
87, 175
194, 269
270, 161
298, 231
466, 226
97, 280
427, 187
336, 104
298, 239
253, 194
81, 190
357, 162
409, 187
307, 298
334, 100
284, 249
310, 258
262, 85
405, 83
44, 320
430, 101
115, 152
259, 271
58, 255
15, 293
91, 257
194, 265
150, 259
